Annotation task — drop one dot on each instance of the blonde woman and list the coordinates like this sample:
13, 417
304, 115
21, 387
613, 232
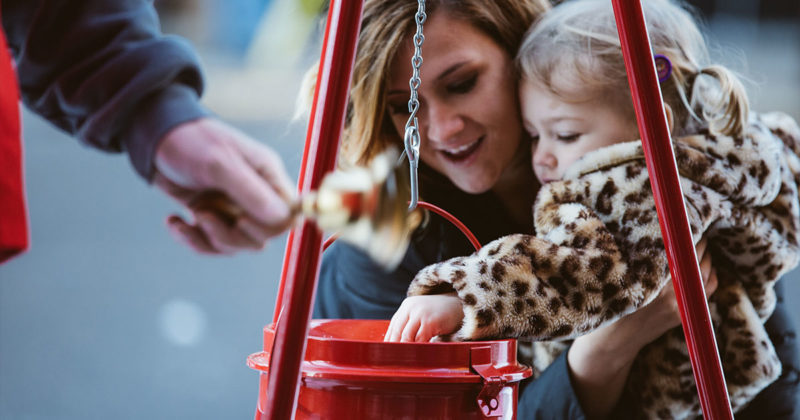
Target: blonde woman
475, 163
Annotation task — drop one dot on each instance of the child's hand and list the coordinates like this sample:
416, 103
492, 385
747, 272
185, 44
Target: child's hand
421, 318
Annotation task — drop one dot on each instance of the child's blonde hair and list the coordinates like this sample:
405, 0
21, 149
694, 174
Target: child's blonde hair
578, 40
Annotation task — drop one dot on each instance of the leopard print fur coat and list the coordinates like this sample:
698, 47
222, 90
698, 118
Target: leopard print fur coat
598, 255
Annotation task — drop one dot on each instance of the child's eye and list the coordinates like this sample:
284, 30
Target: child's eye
568, 137
463, 86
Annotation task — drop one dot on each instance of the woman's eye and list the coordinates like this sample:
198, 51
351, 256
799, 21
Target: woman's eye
463, 86
395, 109
568, 137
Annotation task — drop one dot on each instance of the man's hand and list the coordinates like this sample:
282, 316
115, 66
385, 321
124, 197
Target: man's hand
207, 155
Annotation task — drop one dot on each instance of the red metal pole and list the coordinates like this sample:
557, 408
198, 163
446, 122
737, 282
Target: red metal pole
284, 270
299, 279
671, 211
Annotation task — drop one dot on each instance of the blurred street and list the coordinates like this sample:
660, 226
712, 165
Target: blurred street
107, 317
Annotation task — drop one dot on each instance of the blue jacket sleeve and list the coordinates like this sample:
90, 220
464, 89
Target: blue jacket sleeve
551, 395
103, 71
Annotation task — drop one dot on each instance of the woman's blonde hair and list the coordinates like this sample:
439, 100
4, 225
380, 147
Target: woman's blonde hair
387, 25
578, 41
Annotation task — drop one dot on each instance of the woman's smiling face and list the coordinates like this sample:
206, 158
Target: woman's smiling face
470, 127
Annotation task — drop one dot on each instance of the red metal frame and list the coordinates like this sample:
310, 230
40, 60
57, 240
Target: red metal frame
452, 219
671, 210
299, 277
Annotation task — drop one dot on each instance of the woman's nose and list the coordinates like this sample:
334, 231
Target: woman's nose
443, 122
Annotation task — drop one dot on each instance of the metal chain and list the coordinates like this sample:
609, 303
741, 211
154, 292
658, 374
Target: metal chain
411, 138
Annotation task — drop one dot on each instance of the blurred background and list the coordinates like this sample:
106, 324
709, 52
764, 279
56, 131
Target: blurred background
107, 316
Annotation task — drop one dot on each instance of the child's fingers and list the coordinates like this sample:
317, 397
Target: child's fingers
705, 268
700, 248
388, 334
390, 331
396, 325
410, 330
712, 283
424, 333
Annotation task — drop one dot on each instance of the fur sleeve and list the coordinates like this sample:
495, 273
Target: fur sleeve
785, 128
568, 280
742, 169
760, 243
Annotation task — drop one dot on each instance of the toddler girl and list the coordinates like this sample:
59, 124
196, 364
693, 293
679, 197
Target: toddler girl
597, 254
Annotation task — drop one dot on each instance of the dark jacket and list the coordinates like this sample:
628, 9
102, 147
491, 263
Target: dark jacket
780, 400
102, 70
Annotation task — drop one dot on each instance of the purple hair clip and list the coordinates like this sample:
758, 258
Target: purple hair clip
663, 67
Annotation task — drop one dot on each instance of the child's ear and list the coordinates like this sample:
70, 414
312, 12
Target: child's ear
670, 119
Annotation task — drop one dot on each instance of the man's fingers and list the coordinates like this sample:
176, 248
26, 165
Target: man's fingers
261, 232
258, 233
223, 237
269, 166
189, 235
250, 191
178, 193
208, 155
226, 210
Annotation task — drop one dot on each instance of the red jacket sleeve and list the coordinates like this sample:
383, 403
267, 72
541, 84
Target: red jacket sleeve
13, 220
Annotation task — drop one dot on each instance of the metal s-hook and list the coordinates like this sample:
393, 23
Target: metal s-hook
411, 142
411, 138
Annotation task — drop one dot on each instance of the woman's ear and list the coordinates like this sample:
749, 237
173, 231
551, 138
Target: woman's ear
670, 118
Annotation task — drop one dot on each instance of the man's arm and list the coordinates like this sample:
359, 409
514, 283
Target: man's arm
102, 70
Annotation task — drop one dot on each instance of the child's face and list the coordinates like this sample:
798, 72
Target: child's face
564, 131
